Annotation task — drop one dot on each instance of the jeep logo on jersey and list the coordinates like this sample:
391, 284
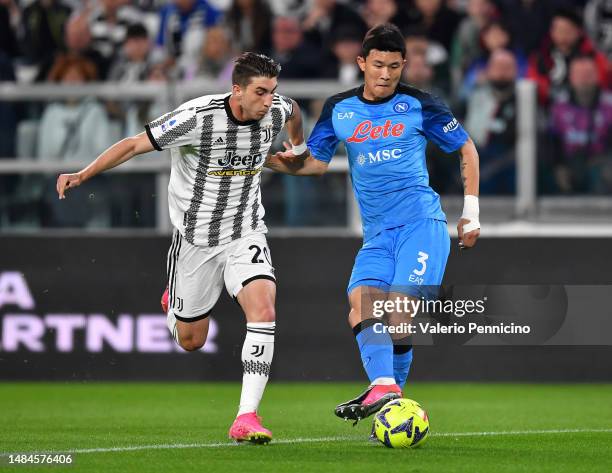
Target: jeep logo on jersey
451, 126
366, 131
234, 160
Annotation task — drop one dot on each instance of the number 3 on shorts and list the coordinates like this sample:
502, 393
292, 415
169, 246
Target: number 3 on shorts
423, 260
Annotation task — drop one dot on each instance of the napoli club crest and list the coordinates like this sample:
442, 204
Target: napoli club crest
401, 107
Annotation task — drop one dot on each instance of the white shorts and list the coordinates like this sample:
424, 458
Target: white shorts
196, 274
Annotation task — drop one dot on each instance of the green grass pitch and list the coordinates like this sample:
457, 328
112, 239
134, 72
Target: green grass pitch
155, 427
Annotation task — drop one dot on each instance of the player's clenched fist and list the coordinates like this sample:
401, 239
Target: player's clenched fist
467, 239
67, 181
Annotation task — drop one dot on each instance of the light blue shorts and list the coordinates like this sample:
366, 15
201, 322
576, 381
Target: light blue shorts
410, 259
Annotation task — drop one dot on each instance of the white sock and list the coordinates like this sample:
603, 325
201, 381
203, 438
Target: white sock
383, 380
257, 354
171, 322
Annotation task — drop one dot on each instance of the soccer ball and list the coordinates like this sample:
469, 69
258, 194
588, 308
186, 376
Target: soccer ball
401, 423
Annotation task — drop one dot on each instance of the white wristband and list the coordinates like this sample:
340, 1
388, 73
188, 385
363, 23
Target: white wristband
471, 212
299, 149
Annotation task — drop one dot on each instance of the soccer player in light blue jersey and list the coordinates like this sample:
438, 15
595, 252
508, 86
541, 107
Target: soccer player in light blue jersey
385, 126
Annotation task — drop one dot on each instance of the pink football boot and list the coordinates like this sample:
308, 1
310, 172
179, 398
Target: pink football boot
247, 428
368, 402
164, 301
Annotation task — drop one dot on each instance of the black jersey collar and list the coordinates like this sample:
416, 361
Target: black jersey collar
231, 116
374, 102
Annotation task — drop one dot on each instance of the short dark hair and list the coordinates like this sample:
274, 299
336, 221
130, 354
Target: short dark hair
570, 14
386, 37
249, 65
136, 30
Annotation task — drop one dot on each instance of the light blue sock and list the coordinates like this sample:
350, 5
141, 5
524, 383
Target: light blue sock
401, 365
376, 350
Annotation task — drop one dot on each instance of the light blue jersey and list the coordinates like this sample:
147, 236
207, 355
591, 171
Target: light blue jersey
386, 141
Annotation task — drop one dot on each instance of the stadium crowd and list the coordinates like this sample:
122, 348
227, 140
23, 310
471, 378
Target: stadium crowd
469, 52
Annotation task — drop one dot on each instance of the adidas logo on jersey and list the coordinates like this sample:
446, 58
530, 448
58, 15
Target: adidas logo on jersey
219, 141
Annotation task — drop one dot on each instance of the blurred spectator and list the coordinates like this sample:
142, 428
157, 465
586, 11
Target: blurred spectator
549, 66
182, 29
133, 62
326, 17
345, 47
418, 73
418, 44
375, 12
494, 36
9, 20
581, 124
298, 58
491, 122
217, 59
149, 5
108, 23
439, 21
598, 21
529, 20
466, 45
78, 43
250, 22
43, 32
297, 8
131, 66
73, 130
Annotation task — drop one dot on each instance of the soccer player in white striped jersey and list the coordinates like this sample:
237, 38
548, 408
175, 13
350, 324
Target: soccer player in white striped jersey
219, 144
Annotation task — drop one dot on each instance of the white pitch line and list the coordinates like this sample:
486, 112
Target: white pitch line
519, 432
168, 446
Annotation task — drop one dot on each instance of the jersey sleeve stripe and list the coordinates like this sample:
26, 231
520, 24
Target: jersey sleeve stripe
151, 138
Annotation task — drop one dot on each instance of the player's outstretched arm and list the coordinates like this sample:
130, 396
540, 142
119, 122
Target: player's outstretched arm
468, 228
118, 153
287, 163
296, 158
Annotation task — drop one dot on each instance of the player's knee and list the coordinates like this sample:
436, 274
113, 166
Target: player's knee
265, 313
192, 342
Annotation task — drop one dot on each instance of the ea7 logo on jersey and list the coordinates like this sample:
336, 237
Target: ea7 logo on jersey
451, 126
366, 131
344, 115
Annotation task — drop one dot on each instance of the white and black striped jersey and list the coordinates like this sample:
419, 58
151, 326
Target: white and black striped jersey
214, 191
